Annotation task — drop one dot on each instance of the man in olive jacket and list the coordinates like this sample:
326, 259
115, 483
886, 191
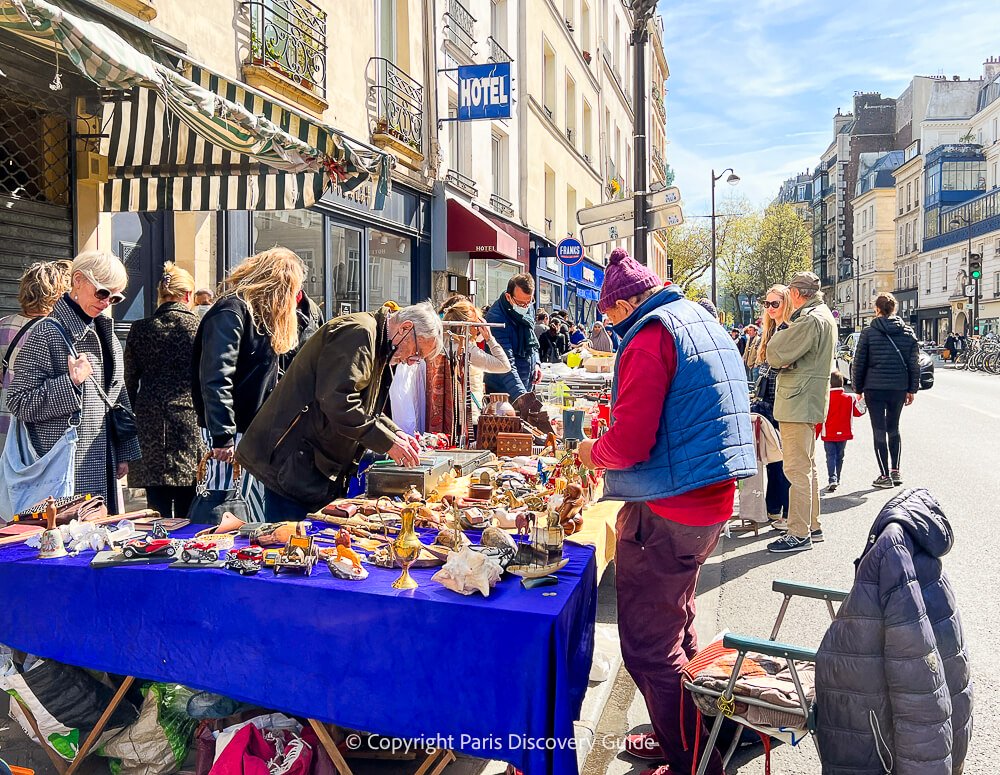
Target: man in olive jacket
803, 352
305, 443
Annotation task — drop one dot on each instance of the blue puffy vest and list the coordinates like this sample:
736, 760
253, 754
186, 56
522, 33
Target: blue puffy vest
704, 435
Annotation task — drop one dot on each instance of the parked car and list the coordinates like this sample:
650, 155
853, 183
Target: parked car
845, 357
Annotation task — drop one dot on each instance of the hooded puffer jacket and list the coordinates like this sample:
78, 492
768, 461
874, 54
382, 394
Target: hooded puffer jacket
886, 357
893, 693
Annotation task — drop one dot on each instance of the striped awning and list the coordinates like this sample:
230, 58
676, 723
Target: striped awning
198, 143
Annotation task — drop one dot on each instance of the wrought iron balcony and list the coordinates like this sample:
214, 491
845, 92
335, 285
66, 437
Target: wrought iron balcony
501, 205
461, 27
656, 159
289, 36
463, 182
497, 52
397, 100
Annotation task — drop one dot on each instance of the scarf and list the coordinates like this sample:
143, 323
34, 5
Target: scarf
525, 343
601, 342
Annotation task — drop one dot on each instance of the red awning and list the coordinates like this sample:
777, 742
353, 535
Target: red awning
470, 232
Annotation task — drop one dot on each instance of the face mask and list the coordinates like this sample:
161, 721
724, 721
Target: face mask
201, 309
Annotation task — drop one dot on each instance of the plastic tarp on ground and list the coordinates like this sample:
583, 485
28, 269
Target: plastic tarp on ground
500, 678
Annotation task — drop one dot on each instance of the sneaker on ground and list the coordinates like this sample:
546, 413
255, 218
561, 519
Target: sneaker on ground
817, 536
644, 746
883, 483
789, 543
781, 525
832, 487
897, 479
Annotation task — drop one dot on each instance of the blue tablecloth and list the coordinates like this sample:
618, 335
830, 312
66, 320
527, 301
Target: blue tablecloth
500, 678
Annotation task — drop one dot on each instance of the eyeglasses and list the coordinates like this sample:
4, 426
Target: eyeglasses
103, 293
772, 304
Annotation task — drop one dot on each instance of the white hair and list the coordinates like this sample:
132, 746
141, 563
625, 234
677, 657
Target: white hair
104, 267
426, 323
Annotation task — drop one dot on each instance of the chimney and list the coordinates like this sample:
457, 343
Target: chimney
991, 67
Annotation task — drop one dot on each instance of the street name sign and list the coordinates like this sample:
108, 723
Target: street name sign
665, 217
609, 211
569, 251
623, 228
484, 91
668, 196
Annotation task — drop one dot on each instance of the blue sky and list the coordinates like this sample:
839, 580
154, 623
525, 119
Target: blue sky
754, 84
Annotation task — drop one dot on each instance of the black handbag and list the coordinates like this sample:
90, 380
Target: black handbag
208, 505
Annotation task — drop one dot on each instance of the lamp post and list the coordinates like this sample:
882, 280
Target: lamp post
732, 180
957, 221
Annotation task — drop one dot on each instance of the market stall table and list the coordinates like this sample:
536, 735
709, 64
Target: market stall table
500, 678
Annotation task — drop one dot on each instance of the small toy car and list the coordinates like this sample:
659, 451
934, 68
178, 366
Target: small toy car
297, 556
199, 551
148, 546
247, 560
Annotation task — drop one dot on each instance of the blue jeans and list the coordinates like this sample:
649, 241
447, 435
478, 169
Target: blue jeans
278, 508
834, 459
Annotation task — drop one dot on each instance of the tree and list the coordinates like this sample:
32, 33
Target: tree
737, 230
689, 247
782, 247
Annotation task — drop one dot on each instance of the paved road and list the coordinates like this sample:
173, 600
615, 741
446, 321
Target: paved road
951, 445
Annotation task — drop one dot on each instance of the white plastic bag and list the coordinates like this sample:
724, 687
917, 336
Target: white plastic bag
407, 397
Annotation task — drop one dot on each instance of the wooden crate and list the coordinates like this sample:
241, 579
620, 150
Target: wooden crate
490, 425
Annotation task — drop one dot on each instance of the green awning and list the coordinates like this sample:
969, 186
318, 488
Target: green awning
232, 126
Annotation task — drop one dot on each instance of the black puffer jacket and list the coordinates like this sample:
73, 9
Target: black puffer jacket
893, 693
879, 365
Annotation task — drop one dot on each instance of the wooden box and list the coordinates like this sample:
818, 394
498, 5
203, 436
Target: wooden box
514, 444
490, 426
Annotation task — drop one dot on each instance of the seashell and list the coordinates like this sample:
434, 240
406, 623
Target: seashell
494, 536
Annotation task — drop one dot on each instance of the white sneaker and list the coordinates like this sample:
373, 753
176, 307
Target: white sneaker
781, 525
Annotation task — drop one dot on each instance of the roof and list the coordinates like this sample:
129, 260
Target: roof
879, 172
953, 99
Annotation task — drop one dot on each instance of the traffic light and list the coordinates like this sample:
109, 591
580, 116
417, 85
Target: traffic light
975, 266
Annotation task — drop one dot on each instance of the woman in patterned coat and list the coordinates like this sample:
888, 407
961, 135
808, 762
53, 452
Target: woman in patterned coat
158, 357
51, 386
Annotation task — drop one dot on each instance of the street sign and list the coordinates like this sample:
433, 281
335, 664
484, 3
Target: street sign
665, 217
620, 208
623, 228
484, 91
569, 251
970, 289
668, 196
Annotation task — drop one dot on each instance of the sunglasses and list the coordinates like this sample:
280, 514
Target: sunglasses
102, 292
772, 304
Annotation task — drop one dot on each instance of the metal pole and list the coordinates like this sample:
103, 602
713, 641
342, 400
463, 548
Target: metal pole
975, 298
856, 264
639, 37
714, 294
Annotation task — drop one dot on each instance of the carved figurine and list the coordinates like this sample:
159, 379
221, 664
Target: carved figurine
525, 521
346, 564
570, 511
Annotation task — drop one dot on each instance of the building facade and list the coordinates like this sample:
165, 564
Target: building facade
874, 226
659, 171
909, 231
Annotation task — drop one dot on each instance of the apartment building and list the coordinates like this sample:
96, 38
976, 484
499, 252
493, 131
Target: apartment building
874, 227
659, 172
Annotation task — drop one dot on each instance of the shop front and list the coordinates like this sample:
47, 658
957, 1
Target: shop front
907, 309
356, 258
933, 324
484, 252
549, 284
583, 289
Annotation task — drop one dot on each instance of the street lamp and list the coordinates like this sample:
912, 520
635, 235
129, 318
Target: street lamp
955, 222
732, 180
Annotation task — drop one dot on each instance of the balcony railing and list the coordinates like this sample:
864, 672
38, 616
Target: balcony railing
501, 205
398, 103
289, 36
497, 52
656, 159
463, 182
461, 27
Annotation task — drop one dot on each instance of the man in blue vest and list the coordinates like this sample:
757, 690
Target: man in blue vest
678, 478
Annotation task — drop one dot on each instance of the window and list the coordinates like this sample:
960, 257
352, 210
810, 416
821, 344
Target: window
498, 21
301, 231
617, 42
906, 243
585, 43
387, 29
588, 130
550, 199
916, 192
345, 269
944, 277
389, 278
549, 79
571, 110
569, 12
927, 285
500, 166
571, 209
871, 216
900, 250
996, 135
996, 283
996, 182
909, 195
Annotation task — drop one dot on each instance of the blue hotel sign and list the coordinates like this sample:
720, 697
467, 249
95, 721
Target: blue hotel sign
484, 91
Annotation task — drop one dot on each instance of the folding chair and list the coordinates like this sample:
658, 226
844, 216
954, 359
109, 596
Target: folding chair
725, 701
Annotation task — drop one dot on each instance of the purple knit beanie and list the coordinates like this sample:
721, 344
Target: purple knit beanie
624, 278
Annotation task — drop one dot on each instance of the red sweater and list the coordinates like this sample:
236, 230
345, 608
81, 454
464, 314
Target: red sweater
645, 370
839, 418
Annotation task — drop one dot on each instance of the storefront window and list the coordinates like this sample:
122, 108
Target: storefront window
389, 275
491, 279
549, 296
345, 269
301, 231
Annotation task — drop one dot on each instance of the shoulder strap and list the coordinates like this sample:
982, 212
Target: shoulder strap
13, 343
72, 351
894, 347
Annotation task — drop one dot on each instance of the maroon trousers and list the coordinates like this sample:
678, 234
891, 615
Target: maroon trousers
656, 573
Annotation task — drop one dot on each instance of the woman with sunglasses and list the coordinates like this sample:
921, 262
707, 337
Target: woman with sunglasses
51, 385
777, 312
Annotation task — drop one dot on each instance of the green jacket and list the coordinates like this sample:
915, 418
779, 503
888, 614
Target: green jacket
307, 439
804, 354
